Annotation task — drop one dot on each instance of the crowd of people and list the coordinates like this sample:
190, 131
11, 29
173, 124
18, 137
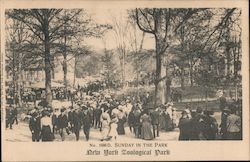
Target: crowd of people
202, 125
111, 115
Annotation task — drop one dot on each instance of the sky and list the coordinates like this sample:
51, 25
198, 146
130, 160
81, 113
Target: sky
107, 16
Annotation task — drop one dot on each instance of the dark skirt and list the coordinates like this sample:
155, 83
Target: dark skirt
46, 134
146, 131
120, 127
162, 122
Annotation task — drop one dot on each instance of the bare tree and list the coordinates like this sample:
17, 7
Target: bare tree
162, 24
120, 28
19, 44
44, 24
72, 36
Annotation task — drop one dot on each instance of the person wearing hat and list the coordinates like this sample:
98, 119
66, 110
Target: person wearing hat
137, 123
15, 113
113, 127
55, 119
223, 126
9, 117
76, 122
174, 117
197, 125
35, 126
97, 114
63, 123
234, 126
131, 120
211, 125
105, 121
86, 121
70, 118
155, 116
168, 117
184, 126
146, 132
121, 121
46, 127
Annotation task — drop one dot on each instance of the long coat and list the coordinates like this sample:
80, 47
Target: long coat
146, 131
185, 127
120, 125
35, 128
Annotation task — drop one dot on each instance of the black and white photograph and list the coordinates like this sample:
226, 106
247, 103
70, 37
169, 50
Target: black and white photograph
117, 75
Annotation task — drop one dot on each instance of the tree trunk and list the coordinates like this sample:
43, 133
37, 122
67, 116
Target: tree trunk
48, 64
74, 82
227, 61
159, 84
123, 70
168, 89
65, 66
182, 77
191, 73
19, 84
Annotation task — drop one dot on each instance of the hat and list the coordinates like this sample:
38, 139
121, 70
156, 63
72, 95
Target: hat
184, 112
32, 111
46, 113
63, 109
120, 107
34, 114
105, 116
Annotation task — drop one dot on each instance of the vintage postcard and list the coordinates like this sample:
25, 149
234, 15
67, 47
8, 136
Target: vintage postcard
124, 80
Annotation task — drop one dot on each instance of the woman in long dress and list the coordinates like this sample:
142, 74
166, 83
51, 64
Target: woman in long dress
121, 122
162, 120
46, 127
105, 120
113, 127
146, 129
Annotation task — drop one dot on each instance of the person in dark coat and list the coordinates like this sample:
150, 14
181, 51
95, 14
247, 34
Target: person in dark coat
146, 128
197, 124
76, 122
223, 125
155, 120
55, 120
162, 119
63, 124
35, 127
9, 117
97, 114
86, 121
131, 120
211, 126
137, 123
15, 112
184, 126
121, 122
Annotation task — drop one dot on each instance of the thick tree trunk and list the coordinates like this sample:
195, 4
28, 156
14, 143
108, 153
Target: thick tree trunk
159, 84
48, 65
